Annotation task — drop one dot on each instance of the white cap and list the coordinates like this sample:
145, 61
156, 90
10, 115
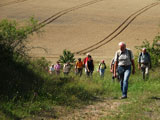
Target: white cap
121, 44
88, 54
143, 48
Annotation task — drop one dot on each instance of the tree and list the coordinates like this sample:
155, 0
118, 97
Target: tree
67, 57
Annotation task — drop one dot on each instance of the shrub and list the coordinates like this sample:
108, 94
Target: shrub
13, 38
16, 79
67, 57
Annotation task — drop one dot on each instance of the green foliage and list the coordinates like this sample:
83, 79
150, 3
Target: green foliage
40, 64
153, 49
16, 78
13, 38
67, 57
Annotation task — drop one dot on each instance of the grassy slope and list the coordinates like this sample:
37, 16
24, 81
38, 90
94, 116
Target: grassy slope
72, 92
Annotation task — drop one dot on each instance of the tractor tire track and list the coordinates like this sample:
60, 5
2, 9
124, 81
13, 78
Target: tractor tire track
113, 31
121, 27
63, 12
12, 2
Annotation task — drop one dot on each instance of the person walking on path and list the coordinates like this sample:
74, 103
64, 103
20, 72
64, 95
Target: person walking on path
124, 59
101, 68
144, 63
90, 66
66, 68
57, 68
79, 67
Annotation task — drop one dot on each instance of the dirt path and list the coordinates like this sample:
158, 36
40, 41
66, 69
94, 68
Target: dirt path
91, 21
96, 111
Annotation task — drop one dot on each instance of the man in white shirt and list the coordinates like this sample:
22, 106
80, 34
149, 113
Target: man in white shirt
123, 61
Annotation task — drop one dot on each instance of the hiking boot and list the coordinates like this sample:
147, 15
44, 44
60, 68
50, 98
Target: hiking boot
123, 97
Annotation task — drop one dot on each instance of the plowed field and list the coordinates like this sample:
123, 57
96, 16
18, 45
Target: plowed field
95, 26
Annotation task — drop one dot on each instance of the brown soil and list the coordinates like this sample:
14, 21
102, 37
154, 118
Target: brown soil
94, 112
85, 26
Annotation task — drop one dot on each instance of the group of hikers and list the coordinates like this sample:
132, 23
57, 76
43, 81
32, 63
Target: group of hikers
87, 64
120, 66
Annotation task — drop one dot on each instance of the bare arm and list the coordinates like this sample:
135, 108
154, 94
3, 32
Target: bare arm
133, 65
139, 62
112, 68
115, 68
87, 66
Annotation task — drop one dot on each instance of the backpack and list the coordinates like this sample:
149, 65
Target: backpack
102, 66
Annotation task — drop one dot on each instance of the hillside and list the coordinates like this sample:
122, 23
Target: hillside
84, 23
